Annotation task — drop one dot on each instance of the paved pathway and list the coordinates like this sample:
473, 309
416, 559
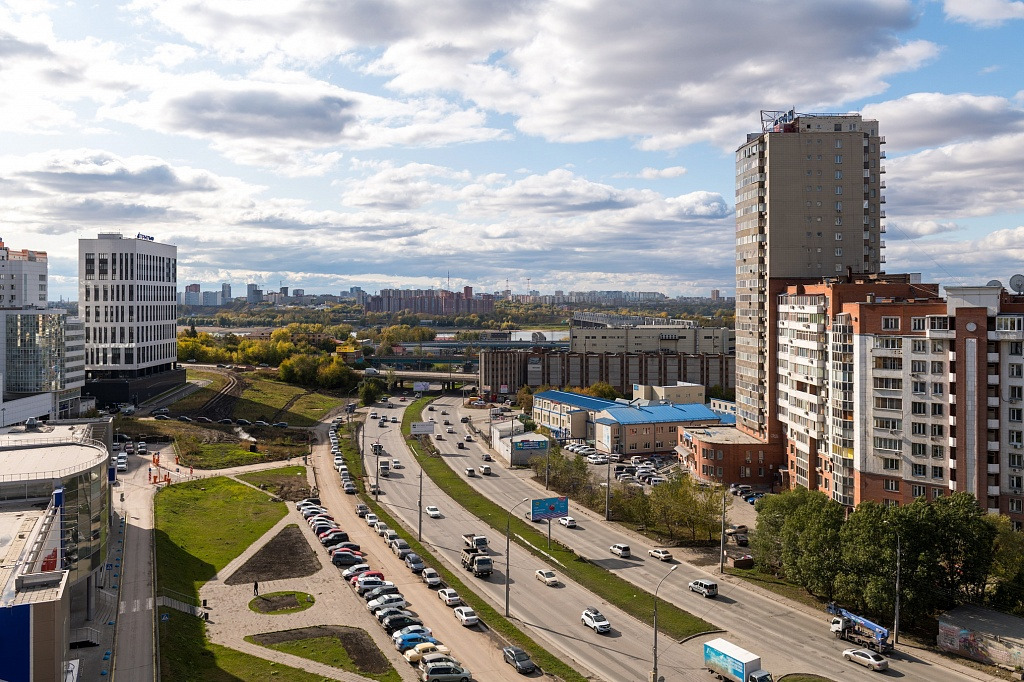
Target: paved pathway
231, 620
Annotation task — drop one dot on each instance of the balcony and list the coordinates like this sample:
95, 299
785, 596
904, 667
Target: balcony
992, 445
993, 357
993, 379
993, 424
993, 491
993, 468
993, 401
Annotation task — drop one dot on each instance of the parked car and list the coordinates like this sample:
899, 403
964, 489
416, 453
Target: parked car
398, 622
414, 562
431, 577
162, 417
366, 574
518, 659
734, 529
414, 654
412, 629
352, 571
349, 488
446, 672
346, 559
370, 518
741, 539
595, 620
225, 420
407, 641
449, 596
547, 577
466, 616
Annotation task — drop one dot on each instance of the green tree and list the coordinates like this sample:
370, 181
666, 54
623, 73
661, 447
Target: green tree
524, 398
391, 378
370, 391
811, 553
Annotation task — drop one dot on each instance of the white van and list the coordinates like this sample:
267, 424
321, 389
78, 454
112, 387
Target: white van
708, 588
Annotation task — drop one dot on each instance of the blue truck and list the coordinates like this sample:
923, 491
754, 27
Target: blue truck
730, 662
859, 630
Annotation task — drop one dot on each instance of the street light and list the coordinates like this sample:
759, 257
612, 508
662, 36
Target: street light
508, 544
896, 628
654, 672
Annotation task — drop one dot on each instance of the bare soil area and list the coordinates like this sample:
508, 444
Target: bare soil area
287, 555
357, 643
277, 602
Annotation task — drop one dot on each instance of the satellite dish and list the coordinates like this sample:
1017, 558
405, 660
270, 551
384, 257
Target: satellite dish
994, 283
1017, 283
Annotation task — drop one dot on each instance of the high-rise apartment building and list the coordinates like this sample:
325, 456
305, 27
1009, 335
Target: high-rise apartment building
126, 296
22, 278
808, 205
225, 293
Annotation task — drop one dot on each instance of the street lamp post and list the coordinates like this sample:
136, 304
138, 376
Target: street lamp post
654, 672
508, 547
896, 628
608, 491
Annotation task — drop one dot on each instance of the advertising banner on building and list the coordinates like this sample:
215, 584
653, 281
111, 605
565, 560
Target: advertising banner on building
421, 386
530, 445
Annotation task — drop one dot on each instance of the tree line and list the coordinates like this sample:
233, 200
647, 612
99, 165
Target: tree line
950, 552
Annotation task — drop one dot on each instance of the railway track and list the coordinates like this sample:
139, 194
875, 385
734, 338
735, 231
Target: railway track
223, 404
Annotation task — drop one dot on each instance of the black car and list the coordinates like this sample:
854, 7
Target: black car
347, 545
381, 591
225, 420
362, 510
184, 418
398, 622
204, 420
518, 659
335, 540
162, 417
741, 539
280, 425
244, 422
346, 559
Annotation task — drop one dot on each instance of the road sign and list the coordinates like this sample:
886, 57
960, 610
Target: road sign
530, 445
165, 617
421, 428
549, 508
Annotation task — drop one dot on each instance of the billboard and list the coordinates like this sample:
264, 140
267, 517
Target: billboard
421, 386
549, 508
530, 445
503, 389
421, 428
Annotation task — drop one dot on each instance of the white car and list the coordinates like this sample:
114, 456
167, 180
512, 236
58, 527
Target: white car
449, 596
397, 464
433, 512
660, 554
431, 577
567, 521
466, 615
547, 577
867, 658
370, 519
620, 550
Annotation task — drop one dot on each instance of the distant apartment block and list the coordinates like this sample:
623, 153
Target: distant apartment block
430, 302
509, 370
22, 278
653, 339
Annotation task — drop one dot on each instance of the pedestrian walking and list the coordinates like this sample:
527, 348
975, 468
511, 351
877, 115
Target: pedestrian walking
256, 588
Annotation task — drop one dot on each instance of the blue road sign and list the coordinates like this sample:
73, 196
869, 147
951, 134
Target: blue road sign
165, 617
549, 508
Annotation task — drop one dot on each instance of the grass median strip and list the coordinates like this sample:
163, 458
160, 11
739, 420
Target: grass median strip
672, 620
494, 620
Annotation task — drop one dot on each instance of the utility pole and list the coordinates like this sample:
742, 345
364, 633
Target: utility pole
419, 529
721, 554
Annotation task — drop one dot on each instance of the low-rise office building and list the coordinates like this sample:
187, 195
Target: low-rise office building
631, 430
724, 455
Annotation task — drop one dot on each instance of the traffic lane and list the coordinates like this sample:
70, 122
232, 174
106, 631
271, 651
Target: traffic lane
471, 646
557, 620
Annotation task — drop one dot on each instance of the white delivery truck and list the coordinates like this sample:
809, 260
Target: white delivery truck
730, 662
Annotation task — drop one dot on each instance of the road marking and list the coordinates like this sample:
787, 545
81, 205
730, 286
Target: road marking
135, 606
121, 607
149, 604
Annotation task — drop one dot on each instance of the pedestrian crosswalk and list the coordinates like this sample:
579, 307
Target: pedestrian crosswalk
135, 605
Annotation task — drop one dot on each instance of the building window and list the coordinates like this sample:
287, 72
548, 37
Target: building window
1015, 438
938, 346
839, 158
938, 389
938, 409
1016, 506
938, 367
918, 429
839, 143
917, 491
1016, 348
890, 464
1014, 414
1016, 481
1016, 392
919, 387
917, 324
919, 346
918, 366
891, 485
917, 408
839, 252
918, 449
891, 323
889, 404
918, 470
1015, 369
891, 424
938, 430
839, 189
938, 452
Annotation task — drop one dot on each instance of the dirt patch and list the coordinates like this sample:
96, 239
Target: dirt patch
277, 602
357, 643
287, 555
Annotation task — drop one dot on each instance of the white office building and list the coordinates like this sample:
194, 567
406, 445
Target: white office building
22, 278
127, 300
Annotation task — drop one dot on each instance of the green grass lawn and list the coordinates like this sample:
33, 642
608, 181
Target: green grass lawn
187, 656
304, 599
202, 525
309, 409
263, 398
672, 620
275, 478
329, 651
777, 585
197, 399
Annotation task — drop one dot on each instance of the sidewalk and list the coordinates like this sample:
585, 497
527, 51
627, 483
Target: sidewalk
231, 620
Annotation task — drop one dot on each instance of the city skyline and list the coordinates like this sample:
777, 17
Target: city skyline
554, 146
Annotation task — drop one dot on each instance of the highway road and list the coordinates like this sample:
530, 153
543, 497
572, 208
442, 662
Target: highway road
800, 642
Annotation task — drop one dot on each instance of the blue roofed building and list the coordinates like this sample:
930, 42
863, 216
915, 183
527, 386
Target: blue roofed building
654, 429
569, 416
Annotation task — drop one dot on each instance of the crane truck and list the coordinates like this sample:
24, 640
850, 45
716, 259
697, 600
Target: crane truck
859, 630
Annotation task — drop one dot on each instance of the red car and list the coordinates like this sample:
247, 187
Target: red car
368, 574
329, 533
346, 550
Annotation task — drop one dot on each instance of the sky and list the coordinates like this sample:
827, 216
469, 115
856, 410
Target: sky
523, 144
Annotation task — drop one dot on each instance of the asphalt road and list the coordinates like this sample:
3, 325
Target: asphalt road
471, 646
799, 642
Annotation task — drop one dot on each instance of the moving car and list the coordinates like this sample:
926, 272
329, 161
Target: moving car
595, 620
620, 550
518, 659
547, 577
433, 512
567, 521
868, 658
708, 588
660, 554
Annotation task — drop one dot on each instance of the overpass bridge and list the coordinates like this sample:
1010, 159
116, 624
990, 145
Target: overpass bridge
450, 381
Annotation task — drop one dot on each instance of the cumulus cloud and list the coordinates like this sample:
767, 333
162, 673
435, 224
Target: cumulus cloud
898, 229
655, 173
928, 119
984, 12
